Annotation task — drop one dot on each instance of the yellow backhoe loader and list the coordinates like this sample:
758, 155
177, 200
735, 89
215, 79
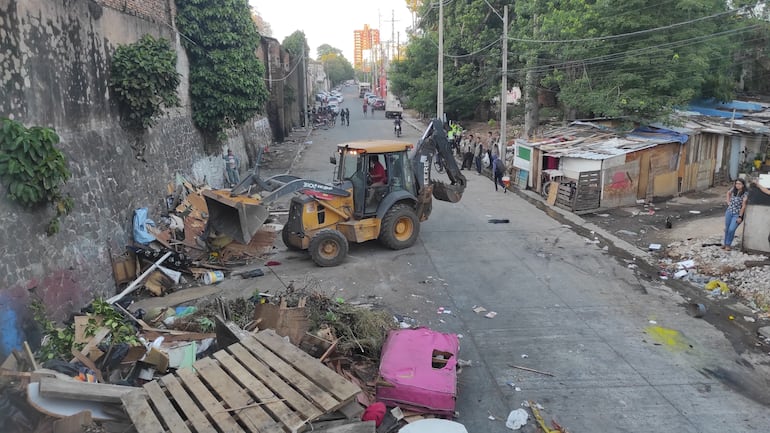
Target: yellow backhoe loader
324, 219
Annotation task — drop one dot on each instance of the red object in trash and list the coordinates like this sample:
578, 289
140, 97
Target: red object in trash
375, 412
419, 368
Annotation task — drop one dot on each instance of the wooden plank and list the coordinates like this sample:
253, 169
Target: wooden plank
260, 392
311, 367
278, 385
73, 423
256, 419
100, 334
141, 413
211, 404
75, 390
193, 413
166, 410
83, 359
313, 392
553, 192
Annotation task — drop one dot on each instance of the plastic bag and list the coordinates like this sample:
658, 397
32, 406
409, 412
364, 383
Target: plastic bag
485, 161
141, 235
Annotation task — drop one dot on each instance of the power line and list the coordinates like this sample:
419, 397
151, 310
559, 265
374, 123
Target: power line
623, 35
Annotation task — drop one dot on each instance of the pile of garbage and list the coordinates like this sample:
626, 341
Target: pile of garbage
702, 261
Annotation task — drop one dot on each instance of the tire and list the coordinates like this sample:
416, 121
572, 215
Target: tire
285, 238
328, 248
400, 227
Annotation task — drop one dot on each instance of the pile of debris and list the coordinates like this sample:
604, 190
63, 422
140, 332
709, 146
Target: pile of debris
267, 363
702, 260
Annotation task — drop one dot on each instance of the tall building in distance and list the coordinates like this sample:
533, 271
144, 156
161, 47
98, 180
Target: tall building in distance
363, 40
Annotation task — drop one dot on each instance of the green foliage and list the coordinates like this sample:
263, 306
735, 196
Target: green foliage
628, 60
58, 341
33, 169
296, 44
226, 77
337, 67
145, 79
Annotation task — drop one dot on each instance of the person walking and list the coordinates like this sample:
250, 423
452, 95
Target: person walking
366, 107
737, 197
498, 169
347, 117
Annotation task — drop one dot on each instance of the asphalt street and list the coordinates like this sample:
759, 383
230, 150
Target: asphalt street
623, 354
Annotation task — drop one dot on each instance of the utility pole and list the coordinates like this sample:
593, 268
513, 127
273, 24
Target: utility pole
531, 106
304, 96
440, 95
502, 145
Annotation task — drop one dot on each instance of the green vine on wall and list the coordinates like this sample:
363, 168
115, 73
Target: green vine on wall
33, 169
144, 79
226, 77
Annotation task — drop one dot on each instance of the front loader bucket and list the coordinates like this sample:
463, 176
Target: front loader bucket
237, 217
446, 192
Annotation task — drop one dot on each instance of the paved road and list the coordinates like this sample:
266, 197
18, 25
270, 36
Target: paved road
624, 355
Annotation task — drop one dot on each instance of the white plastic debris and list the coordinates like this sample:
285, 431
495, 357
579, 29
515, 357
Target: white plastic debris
654, 247
517, 419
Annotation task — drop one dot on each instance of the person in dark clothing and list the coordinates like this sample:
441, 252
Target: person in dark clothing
479, 156
498, 170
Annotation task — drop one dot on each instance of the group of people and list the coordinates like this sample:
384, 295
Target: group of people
325, 115
478, 151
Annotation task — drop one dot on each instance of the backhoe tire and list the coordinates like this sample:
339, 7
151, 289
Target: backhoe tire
328, 248
400, 227
285, 238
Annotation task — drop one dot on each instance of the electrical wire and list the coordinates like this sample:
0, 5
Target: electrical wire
624, 35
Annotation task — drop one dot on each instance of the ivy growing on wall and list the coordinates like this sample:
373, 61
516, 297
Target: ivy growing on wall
144, 79
33, 169
226, 77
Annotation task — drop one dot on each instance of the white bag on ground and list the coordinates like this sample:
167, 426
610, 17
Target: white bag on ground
517, 419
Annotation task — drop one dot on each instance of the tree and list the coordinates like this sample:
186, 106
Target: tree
226, 77
263, 26
337, 67
296, 44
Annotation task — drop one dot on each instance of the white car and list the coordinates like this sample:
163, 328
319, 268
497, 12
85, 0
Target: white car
334, 107
333, 100
338, 95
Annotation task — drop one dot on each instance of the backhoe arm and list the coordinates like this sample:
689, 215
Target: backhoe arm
434, 144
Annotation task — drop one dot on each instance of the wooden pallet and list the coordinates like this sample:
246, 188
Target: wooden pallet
261, 384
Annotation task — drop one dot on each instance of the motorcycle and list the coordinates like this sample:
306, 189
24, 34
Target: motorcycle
397, 130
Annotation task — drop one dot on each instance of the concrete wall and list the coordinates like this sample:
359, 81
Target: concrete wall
54, 64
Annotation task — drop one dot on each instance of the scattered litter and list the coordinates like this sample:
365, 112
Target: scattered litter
685, 264
731, 317
695, 212
530, 369
632, 266
603, 215
463, 362
478, 309
499, 221
492, 417
626, 232
680, 274
653, 322
654, 247
517, 419
696, 310
524, 356
490, 315
749, 319
713, 285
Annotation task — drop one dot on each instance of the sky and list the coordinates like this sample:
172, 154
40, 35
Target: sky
333, 21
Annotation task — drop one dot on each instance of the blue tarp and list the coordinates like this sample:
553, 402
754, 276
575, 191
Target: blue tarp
728, 105
714, 112
651, 132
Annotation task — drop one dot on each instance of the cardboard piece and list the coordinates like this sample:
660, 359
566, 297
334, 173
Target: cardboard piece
157, 359
287, 321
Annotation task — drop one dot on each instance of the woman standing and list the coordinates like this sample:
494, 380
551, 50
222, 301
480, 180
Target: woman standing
737, 197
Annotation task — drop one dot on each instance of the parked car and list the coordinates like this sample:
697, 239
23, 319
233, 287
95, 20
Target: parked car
335, 107
370, 100
333, 100
379, 104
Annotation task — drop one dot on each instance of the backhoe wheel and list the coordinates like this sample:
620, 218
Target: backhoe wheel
328, 248
285, 235
400, 227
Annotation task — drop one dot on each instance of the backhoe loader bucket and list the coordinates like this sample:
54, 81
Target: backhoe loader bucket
446, 192
238, 217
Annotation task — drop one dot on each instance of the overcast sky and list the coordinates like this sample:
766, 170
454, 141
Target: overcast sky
333, 21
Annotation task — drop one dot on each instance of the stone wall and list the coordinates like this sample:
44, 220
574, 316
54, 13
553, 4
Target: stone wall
54, 66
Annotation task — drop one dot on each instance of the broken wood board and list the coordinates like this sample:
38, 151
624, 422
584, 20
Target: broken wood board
287, 321
60, 408
76, 390
261, 384
73, 423
553, 192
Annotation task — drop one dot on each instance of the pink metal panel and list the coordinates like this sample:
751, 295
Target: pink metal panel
421, 380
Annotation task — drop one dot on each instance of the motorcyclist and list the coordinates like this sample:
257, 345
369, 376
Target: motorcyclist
397, 125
